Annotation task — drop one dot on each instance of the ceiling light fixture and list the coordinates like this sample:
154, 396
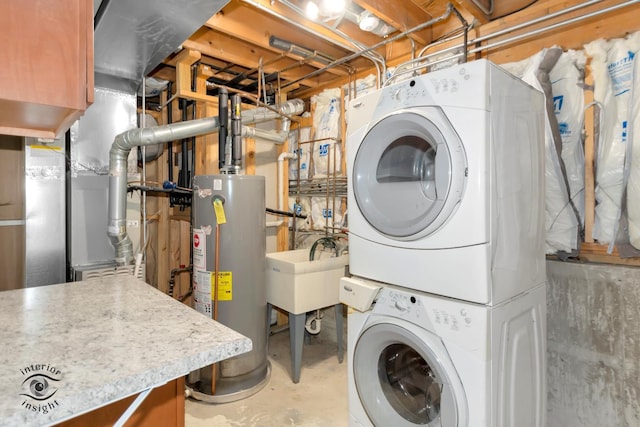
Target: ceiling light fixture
367, 21
324, 8
312, 10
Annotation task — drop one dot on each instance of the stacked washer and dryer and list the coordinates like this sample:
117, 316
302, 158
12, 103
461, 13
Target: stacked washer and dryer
446, 324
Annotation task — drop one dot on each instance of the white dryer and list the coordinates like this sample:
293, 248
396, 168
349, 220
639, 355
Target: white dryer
416, 359
446, 184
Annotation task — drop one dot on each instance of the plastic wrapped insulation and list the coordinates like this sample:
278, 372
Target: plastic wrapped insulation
326, 212
302, 207
561, 221
303, 152
327, 156
612, 67
633, 178
567, 80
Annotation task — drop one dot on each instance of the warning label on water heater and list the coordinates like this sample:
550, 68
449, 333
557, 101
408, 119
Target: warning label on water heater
204, 286
225, 286
199, 249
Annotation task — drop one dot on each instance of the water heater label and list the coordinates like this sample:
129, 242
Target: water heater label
202, 292
225, 285
199, 249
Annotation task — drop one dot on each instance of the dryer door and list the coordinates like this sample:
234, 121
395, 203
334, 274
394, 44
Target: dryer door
404, 377
409, 173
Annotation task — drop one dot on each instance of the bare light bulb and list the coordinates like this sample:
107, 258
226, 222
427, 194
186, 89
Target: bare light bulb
311, 10
330, 7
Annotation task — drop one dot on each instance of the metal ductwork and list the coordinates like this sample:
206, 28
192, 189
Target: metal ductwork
133, 37
124, 142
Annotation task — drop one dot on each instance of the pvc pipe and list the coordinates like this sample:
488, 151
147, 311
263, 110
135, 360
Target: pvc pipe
281, 159
278, 137
314, 323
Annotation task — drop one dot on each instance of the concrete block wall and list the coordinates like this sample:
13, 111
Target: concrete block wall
593, 345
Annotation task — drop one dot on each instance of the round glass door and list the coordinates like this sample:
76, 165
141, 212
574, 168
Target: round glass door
406, 380
409, 173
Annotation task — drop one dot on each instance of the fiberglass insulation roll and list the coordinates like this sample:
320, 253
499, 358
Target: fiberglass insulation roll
567, 78
327, 157
325, 214
301, 208
561, 222
612, 67
302, 151
633, 184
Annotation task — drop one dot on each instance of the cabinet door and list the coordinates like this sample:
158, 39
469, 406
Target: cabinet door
46, 79
12, 228
12, 178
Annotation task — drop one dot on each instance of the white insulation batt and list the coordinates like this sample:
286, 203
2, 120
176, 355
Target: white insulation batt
303, 151
567, 80
303, 207
612, 66
327, 157
561, 222
633, 186
323, 215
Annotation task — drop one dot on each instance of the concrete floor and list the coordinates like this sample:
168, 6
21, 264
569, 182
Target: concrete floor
318, 400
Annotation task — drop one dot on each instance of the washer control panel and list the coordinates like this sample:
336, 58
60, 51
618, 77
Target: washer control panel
424, 310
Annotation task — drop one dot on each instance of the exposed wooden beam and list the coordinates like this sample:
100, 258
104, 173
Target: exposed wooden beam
401, 18
367, 39
248, 24
218, 45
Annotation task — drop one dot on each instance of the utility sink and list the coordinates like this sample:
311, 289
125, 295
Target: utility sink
298, 285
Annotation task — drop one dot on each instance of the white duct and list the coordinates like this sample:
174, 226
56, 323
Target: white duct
124, 142
277, 137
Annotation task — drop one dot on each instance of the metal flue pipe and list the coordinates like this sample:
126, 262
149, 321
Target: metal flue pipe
223, 115
122, 145
124, 142
236, 131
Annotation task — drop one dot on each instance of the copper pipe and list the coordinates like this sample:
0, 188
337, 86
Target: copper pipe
216, 272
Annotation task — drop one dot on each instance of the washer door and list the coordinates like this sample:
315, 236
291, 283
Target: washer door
409, 173
407, 379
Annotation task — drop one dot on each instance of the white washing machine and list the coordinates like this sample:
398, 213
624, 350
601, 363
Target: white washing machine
417, 359
446, 184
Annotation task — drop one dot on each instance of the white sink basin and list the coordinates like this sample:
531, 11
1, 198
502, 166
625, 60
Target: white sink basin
298, 285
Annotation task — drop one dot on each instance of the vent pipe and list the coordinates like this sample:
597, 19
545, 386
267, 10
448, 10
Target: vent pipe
223, 115
236, 131
124, 142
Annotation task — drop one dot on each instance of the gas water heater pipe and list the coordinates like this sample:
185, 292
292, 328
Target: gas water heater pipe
124, 142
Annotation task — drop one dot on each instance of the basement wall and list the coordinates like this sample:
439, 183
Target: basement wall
593, 345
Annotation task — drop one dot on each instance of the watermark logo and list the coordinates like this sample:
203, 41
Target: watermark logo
39, 386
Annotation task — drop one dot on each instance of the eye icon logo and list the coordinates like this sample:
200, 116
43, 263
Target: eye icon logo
39, 387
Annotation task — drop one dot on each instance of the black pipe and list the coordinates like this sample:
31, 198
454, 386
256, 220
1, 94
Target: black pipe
100, 13
223, 118
67, 206
193, 146
285, 213
184, 165
236, 130
172, 280
169, 121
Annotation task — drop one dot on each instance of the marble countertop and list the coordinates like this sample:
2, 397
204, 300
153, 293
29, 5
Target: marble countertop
70, 348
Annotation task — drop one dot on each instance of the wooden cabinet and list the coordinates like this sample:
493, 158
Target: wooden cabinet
46, 77
12, 213
163, 407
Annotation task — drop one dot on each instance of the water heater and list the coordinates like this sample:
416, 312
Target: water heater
236, 204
